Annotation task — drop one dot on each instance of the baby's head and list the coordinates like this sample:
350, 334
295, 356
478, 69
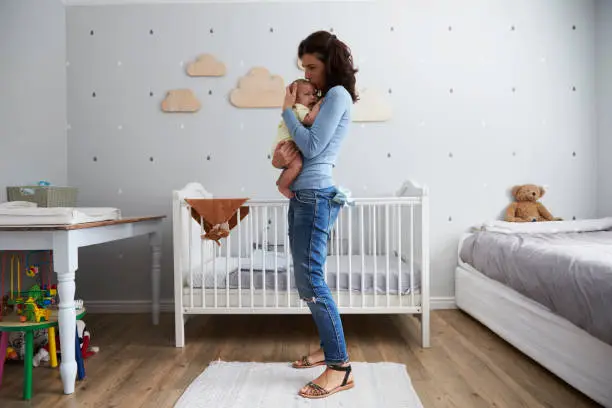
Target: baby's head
306, 94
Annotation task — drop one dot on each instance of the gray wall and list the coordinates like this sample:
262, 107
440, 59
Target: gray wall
32, 93
603, 41
522, 110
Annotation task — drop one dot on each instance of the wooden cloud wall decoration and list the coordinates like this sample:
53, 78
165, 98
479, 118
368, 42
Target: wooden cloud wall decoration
372, 106
259, 89
180, 100
206, 65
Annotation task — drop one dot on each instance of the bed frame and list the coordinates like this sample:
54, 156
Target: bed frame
386, 237
569, 352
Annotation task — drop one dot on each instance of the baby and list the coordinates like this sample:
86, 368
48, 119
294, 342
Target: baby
305, 107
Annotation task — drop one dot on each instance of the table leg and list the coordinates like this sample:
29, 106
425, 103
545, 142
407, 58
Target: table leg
155, 242
65, 257
27, 376
52, 348
3, 346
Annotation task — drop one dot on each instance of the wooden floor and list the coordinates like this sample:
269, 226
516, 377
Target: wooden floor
138, 365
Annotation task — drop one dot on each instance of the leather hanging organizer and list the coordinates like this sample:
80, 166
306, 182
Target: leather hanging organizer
219, 215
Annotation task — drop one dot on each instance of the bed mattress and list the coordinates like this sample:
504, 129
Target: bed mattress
228, 268
28, 216
564, 266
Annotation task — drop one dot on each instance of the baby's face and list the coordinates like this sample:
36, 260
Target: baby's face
306, 94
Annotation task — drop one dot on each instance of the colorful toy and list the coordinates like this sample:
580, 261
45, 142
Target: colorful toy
84, 338
11, 354
31, 305
32, 271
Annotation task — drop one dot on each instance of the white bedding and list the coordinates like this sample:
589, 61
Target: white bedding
549, 227
225, 267
16, 215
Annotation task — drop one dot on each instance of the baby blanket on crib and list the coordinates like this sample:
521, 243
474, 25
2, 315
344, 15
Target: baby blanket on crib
219, 215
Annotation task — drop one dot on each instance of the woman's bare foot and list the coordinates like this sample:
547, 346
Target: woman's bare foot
314, 359
328, 383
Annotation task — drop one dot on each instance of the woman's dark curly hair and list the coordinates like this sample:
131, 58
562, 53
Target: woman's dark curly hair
336, 56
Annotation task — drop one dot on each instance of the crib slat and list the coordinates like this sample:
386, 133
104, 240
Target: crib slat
374, 235
214, 266
190, 256
362, 236
399, 253
286, 246
412, 255
264, 245
371, 229
228, 249
203, 265
239, 231
275, 256
338, 226
350, 255
387, 251
252, 237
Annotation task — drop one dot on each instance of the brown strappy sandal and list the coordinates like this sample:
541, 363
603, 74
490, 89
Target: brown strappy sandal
304, 363
320, 392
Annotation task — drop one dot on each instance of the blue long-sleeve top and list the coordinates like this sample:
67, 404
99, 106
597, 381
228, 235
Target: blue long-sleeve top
320, 144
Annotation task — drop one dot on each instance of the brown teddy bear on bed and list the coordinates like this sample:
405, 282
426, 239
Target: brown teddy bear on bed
526, 207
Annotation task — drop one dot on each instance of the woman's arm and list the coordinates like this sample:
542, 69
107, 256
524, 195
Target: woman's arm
311, 141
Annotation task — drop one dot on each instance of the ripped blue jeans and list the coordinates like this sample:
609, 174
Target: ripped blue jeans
312, 214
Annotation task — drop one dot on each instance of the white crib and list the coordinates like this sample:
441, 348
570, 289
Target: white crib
378, 260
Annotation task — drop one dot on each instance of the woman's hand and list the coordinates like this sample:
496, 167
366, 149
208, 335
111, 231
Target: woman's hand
285, 152
312, 115
290, 96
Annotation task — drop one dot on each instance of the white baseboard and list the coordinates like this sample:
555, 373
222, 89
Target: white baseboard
126, 306
442, 302
167, 305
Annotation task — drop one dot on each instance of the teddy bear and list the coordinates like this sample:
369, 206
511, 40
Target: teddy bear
526, 207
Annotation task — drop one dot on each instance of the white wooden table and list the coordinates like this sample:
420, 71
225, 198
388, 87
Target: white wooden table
65, 241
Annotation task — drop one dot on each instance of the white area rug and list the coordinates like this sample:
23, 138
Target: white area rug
275, 385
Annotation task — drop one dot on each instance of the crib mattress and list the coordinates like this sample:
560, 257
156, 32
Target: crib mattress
56, 215
226, 270
570, 273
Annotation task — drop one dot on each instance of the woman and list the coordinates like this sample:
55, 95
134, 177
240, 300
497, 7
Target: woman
315, 202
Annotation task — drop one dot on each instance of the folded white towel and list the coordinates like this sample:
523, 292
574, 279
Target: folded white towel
18, 204
56, 215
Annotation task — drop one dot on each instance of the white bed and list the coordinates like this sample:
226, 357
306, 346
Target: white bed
551, 287
386, 237
13, 213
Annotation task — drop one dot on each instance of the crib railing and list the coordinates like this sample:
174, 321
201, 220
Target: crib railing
377, 260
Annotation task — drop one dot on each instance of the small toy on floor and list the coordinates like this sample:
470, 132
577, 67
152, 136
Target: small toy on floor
87, 350
526, 207
42, 355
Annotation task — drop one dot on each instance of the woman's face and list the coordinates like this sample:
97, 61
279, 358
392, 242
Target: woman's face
314, 70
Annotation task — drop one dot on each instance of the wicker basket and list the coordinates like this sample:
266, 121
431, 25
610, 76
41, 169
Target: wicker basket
44, 196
